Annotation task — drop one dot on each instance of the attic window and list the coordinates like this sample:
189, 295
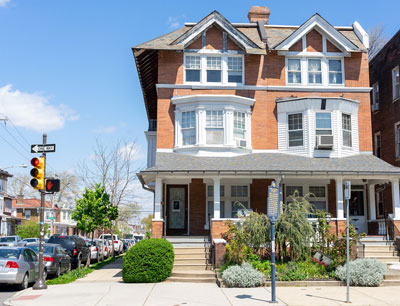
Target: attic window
213, 70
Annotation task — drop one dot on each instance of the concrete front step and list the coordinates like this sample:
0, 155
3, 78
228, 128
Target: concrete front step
374, 237
379, 248
193, 273
392, 277
186, 267
191, 255
191, 280
178, 245
377, 242
188, 250
191, 260
187, 239
386, 259
387, 283
382, 253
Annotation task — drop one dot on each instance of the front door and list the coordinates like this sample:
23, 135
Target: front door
176, 210
357, 211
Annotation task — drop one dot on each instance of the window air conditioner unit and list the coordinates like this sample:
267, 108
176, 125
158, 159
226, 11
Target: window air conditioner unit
241, 143
324, 141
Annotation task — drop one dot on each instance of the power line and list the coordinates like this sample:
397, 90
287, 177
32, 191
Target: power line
16, 140
16, 150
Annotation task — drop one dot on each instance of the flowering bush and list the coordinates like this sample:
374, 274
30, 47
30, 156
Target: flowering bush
244, 276
363, 272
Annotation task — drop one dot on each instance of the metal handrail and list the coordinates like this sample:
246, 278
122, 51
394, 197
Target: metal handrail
211, 246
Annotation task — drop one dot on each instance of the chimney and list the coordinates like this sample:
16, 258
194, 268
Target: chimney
259, 13
20, 199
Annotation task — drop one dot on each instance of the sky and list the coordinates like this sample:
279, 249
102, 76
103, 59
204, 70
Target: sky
66, 66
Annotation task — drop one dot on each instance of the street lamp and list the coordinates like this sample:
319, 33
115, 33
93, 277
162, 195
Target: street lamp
16, 166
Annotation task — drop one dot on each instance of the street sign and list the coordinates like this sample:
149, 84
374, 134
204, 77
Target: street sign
273, 201
39, 148
52, 218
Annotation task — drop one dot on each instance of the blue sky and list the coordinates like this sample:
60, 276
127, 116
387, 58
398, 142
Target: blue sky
69, 63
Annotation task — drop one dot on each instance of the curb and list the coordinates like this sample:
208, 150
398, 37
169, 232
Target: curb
8, 302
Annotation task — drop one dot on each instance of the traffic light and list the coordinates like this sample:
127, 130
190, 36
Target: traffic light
52, 185
37, 172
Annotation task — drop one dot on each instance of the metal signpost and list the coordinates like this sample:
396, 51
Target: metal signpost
272, 213
347, 196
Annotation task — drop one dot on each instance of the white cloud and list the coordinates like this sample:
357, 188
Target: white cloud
4, 2
132, 150
105, 130
33, 111
173, 22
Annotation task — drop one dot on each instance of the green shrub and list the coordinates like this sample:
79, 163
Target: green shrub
305, 270
148, 261
363, 272
244, 276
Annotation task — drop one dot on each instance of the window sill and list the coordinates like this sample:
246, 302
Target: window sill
212, 150
395, 100
216, 84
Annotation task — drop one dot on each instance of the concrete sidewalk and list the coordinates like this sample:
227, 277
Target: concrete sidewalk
104, 287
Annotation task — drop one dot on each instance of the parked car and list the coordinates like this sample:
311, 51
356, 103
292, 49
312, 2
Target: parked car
75, 247
55, 258
94, 250
31, 240
138, 237
15, 241
118, 245
102, 248
19, 265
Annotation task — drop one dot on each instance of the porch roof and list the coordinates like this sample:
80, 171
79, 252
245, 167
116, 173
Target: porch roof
271, 163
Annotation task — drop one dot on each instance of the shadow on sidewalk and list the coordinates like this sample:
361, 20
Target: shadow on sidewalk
247, 296
325, 298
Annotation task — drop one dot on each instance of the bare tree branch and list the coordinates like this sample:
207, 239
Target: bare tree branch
376, 40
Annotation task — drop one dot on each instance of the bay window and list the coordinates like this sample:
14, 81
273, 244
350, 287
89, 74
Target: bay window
346, 127
214, 127
314, 71
192, 68
188, 128
214, 69
239, 125
335, 71
295, 127
323, 124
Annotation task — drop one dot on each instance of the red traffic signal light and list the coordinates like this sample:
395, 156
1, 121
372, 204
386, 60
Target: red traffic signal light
52, 185
37, 172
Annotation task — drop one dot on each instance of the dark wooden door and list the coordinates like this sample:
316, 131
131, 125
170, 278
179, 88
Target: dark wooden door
177, 210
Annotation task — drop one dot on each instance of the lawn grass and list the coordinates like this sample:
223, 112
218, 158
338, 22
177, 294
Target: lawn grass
73, 275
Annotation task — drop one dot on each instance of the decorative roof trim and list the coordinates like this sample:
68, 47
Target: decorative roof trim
290, 99
215, 18
212, 98
316, 21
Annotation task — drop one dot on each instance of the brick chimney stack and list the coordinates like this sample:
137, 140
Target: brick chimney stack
257, 13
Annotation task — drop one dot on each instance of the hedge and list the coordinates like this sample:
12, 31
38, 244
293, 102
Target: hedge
148, 261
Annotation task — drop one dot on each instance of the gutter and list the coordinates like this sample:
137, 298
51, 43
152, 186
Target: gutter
145, 187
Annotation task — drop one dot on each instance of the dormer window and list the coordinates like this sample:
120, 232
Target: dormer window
214, 69
294, 71
335, 72
314, 72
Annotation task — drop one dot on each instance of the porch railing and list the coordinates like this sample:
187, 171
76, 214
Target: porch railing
211, 254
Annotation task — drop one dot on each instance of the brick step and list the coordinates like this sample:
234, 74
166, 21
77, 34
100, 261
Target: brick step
191, 280
191, 255
387, 283
191, 260
186, 267
193, 274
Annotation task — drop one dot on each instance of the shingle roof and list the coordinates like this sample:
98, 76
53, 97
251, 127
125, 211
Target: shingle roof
272, 162
31, 203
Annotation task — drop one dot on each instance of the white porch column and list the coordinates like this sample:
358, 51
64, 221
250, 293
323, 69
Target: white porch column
339, 198
217, 208
158, 199
395, 198
372, 206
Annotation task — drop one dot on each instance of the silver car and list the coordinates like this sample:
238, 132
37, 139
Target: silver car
12, 241
31, 240
19, 266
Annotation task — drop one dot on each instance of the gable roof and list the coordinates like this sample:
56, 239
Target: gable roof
321, 25
31, 203
216, 19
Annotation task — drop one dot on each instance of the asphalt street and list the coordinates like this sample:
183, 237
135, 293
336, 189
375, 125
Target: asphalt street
7, 291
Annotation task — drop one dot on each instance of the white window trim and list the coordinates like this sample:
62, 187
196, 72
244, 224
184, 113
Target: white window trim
287, 130
394, 83
351, 129
375, 104
203, 69
306, 191
396, 136
380, 144
227, 198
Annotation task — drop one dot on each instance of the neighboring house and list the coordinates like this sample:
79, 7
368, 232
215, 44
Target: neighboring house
8, 222
235, 106
385, 107
64, 224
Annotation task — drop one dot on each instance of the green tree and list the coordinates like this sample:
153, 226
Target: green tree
147, 222
30, 230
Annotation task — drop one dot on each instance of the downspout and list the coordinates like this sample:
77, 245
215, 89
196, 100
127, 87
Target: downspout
145, 187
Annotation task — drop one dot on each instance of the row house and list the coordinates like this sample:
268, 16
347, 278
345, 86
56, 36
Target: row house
8, 222
385, 109
235, 106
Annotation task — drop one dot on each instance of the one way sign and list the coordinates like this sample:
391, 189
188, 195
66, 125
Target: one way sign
38, 148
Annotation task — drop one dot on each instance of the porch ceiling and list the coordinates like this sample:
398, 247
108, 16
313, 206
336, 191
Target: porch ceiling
271, 163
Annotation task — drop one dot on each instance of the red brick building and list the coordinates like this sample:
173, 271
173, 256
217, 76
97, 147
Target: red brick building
235, 106
385, 107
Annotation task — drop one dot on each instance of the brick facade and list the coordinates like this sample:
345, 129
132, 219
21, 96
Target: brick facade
157, 229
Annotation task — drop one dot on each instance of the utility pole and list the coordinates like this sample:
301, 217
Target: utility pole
347, 195
41, 283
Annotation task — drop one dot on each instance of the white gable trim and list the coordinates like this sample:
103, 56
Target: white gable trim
321, 25
361, 34
225, 25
